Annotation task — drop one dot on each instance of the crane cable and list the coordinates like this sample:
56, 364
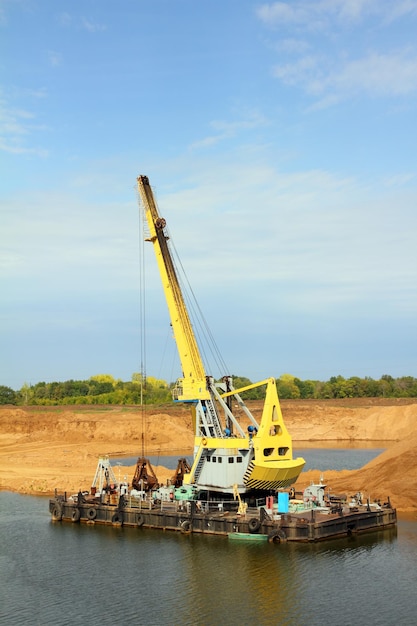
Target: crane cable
142, 322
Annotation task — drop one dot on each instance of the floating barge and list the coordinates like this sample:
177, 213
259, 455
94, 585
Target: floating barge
254, 466
224, 518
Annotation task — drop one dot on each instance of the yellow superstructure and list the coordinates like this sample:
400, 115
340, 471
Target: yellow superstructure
226, 457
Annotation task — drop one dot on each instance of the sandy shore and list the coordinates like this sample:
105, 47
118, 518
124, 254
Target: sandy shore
58, 447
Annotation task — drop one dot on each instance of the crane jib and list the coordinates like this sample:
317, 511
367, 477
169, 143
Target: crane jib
227, 459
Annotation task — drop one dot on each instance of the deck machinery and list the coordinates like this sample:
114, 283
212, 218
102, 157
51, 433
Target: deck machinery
227, 460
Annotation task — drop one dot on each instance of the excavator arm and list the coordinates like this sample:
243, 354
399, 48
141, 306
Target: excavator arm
226, 459
193, 385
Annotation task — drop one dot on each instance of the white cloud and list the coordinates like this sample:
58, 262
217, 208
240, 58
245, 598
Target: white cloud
279, 13
304, 71
14, 148
399, 180
254, 241
59, 235
226, 129
293, 46
65, 19
333, 80
16, 125
377, 74
80, 22
321, 15
55, 58
320, 239
92, 27
312, 16
39, 93
334, 69
401, 8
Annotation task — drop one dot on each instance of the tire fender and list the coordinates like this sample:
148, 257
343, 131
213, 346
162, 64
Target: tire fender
186, 527
57, 513
254, 525
277, 536
91, 514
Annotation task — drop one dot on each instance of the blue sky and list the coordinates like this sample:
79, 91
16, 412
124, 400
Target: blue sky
280, 139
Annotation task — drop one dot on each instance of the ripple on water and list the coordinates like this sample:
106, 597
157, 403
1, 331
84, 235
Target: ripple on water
57, 573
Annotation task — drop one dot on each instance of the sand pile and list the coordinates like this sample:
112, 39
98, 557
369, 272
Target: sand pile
46, 448
392, 474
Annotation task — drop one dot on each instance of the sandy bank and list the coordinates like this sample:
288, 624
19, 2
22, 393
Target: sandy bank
46, 448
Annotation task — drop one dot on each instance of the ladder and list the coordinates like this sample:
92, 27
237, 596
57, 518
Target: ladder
199, 467
213, 421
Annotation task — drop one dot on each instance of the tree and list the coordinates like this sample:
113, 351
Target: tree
307, 388
339, 387
104, 389
104, 378
96, 388
287, 388
26, 394
386, 384
7, 395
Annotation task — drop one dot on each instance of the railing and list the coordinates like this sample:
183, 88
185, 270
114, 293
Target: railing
187, 506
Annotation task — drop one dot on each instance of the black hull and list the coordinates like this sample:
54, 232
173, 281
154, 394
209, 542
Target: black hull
305, 527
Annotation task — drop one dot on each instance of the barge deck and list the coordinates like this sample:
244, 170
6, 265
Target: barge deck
224, 518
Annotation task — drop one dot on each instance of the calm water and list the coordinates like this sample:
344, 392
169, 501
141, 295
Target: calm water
54, 573
336, 458
316, 458
60, 573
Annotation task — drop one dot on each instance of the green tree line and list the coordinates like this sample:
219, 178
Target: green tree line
104, 389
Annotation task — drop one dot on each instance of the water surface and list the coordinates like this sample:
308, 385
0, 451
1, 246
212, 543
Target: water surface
323, 458
62, 573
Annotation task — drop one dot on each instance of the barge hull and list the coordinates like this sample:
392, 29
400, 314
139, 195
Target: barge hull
314, 527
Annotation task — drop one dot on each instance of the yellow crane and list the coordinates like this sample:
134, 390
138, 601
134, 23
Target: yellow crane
227, 460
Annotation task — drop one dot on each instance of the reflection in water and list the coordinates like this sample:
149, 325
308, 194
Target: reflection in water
62, 573
246, 580
227, 582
